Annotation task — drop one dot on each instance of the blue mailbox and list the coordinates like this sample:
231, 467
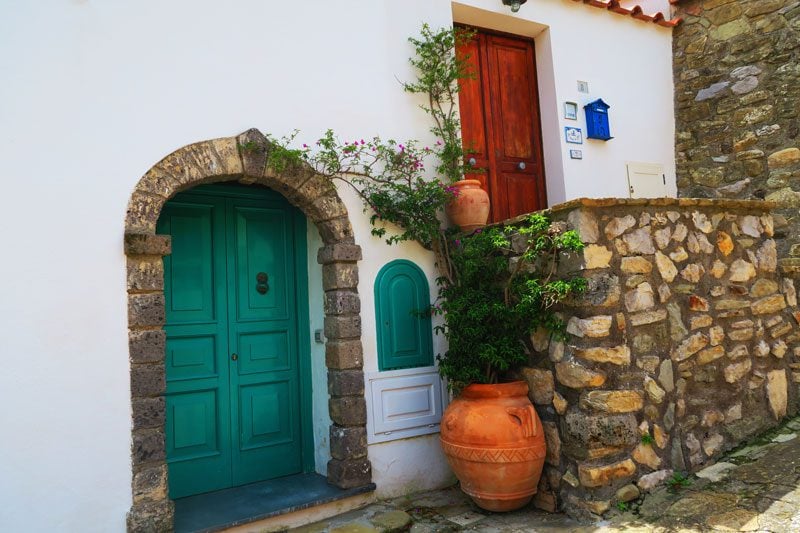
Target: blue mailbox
597, 120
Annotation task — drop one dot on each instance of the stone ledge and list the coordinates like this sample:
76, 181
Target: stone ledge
717, 203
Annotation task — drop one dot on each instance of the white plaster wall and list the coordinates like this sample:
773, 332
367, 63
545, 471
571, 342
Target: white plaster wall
94, 93
413, 465
626, 62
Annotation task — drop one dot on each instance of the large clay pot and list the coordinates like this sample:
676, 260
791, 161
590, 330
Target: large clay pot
494, 442
469, 210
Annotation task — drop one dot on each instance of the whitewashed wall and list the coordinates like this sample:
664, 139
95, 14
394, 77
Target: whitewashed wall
94, 93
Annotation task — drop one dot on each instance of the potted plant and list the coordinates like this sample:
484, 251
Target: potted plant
491, 433
491, 294
439, 70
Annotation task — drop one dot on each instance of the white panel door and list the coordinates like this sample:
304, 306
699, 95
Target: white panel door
646, 180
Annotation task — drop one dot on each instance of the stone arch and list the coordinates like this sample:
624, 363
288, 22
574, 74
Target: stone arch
243, 158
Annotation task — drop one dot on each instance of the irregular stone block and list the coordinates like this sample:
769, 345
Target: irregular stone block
666, 376
639, 242
713, 444
599, 431
644, 454
784, 158
777, 393
617, 355
340, 276
700, 321
736, 371
636, 265
146, 309
599, 476
666, 267
689, 347
596, 326
541, 385
770, 304
576, 376
650, 481
648, 317
342, 327
654, 392
709, 355
618, 226
619, 401
595, 256
628, 493
559, 403
767, 256
553, 442
693, 272
585, 223
640, 299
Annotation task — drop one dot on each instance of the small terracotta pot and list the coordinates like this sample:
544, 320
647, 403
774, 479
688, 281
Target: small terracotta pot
469, 210
494, 442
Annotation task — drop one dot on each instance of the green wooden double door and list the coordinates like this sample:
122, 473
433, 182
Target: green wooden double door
238, 392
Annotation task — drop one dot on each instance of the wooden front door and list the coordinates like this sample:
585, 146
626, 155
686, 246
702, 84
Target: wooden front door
500, 123
234, 288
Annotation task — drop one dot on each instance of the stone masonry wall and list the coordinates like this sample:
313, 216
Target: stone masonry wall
737, 90
685, 344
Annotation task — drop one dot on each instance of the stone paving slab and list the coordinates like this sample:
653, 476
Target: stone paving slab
755, 488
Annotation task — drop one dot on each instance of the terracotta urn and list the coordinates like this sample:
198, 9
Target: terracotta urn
469, 210
494, 442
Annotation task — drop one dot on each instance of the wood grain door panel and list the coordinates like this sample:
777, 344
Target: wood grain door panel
500, 110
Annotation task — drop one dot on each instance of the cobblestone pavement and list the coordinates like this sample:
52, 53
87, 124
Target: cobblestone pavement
755, 488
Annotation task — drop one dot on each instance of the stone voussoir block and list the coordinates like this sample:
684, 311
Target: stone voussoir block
340, 276
340, 252
150, 484
148, 413
348, 442
143, 212
342, 302
146, 310
336, 230
148, 447
343, 327
145, 274
344, 354
348, 410
147, 346
151, 517
349, 473
345, 382
147, 380
253, 149
147, 244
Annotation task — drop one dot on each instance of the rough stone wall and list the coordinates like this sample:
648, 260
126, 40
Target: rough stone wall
737, 87
684, 345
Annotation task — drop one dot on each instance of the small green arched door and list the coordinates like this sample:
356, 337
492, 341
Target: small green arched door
236, 324
402, 308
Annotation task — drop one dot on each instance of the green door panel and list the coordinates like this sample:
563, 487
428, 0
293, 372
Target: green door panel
238, 383
402, 299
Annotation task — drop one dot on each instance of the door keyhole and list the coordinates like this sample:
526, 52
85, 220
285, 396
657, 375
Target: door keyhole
234, 357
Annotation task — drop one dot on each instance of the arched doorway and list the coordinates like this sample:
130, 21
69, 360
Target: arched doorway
243, 159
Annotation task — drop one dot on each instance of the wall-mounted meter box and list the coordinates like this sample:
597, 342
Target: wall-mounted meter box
597, 126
